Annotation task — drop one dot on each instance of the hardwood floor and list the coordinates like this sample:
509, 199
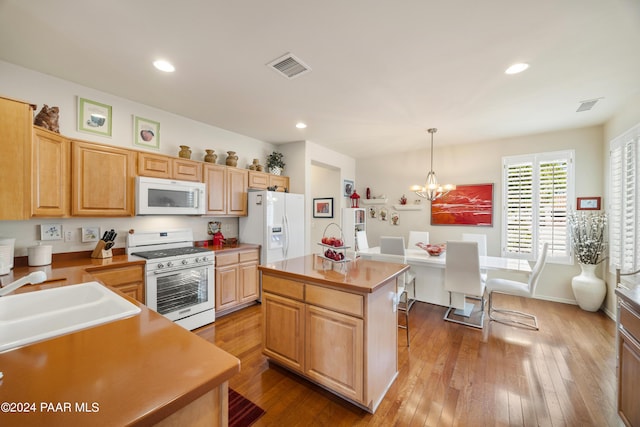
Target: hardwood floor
453, 375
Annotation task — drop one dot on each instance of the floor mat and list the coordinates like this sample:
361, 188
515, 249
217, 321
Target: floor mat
242, 411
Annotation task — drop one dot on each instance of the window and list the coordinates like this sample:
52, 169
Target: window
537, 193
624, 205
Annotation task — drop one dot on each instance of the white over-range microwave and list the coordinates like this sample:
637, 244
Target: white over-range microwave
156, 196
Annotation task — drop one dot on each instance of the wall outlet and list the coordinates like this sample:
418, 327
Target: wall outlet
68, 236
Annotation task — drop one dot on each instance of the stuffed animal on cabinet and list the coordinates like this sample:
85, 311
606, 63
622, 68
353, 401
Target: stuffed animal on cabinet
48, 118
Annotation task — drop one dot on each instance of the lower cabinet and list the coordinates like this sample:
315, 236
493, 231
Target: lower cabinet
628, 365
236, 281
320, 333
127, 279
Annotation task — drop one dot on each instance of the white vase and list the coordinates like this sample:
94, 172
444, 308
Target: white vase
275, 170
589, 289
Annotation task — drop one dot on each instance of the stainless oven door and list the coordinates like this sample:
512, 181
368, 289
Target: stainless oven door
181, 292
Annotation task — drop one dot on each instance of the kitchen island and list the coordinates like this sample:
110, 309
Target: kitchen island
142, 370
335, 324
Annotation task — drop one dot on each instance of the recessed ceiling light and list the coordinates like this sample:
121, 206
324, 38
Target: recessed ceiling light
301, 125
517, 68
163, 65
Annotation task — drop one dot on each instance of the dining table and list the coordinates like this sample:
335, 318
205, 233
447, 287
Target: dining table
430, 270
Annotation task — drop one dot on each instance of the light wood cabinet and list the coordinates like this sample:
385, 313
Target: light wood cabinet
283, 330
628, 364
320, 333
159, 166
102, 180
263, 180
334, 351
127, 279
236, 281
50, 174
226, 190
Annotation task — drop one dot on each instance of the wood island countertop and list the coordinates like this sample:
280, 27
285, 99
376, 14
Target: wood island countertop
359, 275
134, 371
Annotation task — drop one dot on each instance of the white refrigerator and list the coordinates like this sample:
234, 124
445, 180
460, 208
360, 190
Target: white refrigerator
275, 221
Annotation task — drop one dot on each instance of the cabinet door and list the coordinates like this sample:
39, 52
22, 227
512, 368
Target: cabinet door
335, 351
283, 330
249, 283
50, 174
259, 180
281, 181
102, 180
238, 180
16, 133
628, 374
226, 287
215, 176
187, 170
155, 165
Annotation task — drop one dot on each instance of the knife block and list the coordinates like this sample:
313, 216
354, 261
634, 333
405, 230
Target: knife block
100, 252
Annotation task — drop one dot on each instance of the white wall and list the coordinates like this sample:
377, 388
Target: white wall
37, 88
393, 175
326, 183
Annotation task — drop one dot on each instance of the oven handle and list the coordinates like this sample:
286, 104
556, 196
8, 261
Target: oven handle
182, 268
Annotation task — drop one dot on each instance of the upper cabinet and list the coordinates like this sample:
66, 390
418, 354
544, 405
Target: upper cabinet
159, 166
35, 162
50, 174
15, 162
226, 190
102, 180
263, 180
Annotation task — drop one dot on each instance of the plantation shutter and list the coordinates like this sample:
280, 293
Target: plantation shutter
624, 220
537, 191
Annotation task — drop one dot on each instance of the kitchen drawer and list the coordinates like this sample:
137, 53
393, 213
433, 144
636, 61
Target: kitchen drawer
226, 259
630, 321
284, 287
249, 256
119, 275
340, 301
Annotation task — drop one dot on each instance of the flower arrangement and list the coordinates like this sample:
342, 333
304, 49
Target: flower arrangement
588, 236
275, 160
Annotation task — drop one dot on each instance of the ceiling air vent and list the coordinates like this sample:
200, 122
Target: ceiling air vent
587, 105
289, 66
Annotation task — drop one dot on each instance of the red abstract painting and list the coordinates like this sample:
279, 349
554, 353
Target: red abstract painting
466, 205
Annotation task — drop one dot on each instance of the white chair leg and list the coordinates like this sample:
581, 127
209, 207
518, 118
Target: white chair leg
512, 322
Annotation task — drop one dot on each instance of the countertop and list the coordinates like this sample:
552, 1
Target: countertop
359, 275
134, 371
631, 295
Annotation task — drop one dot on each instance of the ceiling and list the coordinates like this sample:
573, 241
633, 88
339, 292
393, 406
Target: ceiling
382, 71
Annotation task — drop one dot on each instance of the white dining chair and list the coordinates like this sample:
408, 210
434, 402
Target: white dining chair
361, 240
463, 279
514, 287
417, 237
481, 239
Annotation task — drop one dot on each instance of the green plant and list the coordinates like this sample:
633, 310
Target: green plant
275, 160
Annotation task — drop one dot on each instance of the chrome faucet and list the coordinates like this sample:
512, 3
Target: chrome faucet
33, 278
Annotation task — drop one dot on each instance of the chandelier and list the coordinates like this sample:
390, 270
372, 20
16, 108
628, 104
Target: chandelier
432, 190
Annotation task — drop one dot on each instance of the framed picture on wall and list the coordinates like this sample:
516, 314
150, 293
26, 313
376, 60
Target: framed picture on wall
146, 133
348, 187
323, 207
466, 205
94, 117
588, 204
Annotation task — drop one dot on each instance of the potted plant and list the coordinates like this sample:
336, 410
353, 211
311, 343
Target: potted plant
588, 239
275, 163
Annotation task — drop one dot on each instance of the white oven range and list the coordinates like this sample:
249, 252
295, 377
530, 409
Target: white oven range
179, 276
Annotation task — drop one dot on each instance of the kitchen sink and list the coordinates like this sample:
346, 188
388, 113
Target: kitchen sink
40, 315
